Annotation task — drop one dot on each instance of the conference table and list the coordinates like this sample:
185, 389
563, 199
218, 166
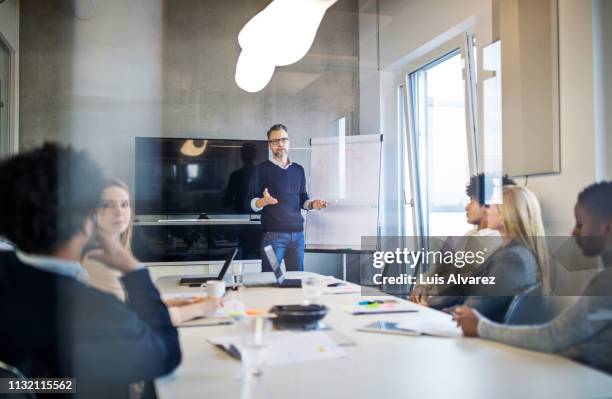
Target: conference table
377, 365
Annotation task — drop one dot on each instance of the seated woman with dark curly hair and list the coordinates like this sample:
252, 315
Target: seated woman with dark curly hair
520, 262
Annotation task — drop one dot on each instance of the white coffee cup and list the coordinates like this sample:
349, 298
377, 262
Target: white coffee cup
215, 288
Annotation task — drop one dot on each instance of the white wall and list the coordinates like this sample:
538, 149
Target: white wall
9, 32
558, 192
407, 26
408, 29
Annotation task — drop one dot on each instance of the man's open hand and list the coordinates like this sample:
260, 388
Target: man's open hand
266, 199
318, 204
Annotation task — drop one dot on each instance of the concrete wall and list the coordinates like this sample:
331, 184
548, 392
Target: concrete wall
166, 68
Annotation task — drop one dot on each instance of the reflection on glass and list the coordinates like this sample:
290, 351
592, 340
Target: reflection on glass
192, 149
168, 182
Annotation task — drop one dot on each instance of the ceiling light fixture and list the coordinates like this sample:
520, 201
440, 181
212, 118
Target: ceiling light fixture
281, 34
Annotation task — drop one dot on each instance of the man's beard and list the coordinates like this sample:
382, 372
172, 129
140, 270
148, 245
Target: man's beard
280, 153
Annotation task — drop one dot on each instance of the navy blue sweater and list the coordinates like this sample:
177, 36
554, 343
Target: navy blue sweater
288, 186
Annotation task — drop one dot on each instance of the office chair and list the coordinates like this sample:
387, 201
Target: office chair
531, 307
7, 371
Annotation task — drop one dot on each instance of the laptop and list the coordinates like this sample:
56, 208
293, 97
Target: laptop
198, 281
282, 282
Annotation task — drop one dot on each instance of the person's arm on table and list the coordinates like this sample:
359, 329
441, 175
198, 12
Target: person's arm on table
580, 322
193, 310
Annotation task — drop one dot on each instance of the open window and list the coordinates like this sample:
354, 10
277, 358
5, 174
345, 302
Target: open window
439, 117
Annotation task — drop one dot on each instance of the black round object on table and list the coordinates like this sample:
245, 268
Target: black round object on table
302, 317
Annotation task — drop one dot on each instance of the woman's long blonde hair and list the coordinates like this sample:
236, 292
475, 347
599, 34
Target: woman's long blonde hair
523, 223
126, 237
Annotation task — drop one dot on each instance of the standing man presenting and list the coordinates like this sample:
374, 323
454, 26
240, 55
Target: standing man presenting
278, 191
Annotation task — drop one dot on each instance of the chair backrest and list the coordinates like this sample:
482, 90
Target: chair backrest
7, 371
531, 307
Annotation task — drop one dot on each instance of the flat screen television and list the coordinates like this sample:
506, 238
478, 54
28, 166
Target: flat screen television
194, 176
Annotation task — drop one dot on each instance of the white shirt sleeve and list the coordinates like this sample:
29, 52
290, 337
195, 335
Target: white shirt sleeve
306, 204
254, 205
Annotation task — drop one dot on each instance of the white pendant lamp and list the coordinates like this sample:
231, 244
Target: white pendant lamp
281, 34
253, 72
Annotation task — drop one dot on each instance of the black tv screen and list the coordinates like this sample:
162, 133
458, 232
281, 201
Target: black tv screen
194, 176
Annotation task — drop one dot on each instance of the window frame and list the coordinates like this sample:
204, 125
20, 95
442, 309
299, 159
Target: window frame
464, 45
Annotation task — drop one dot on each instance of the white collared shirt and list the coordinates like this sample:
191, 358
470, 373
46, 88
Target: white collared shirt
52, 264
280, 164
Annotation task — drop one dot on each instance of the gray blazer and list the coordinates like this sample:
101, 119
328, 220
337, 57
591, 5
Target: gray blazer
515, 269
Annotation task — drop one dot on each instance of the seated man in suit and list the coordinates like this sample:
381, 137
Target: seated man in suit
53, 323
583, 331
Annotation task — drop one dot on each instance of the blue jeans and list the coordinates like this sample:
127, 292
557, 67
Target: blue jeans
288, 246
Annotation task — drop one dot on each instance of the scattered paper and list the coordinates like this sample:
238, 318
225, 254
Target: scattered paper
342, 289
380, 306
438, 326
288, 347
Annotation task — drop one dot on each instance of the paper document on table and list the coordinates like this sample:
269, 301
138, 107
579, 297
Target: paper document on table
345, 288
378, 306
286, 347
441, 326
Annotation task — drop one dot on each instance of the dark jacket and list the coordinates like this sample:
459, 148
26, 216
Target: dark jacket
55, 326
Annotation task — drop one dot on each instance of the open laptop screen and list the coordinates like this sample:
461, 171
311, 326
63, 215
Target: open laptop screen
278, 272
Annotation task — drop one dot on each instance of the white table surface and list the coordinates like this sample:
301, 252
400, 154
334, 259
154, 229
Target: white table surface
379, 366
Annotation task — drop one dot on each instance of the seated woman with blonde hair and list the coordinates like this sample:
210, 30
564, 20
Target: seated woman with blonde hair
114, 219
519, 263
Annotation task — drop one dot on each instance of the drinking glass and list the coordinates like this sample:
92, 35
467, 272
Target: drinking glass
238, 273
311, 289
252, 344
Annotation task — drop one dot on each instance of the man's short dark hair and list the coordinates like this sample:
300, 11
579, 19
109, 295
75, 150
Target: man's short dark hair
278, 126
48, 194
597, 199
474, 186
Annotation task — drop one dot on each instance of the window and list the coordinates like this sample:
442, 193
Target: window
441, 135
